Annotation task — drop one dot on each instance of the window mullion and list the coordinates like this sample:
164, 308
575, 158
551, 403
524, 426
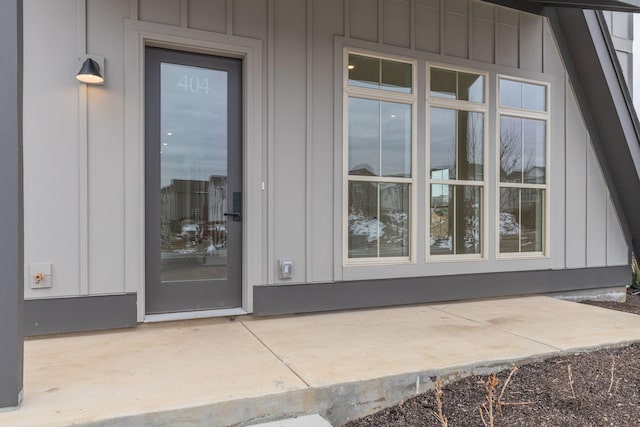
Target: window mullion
380, 138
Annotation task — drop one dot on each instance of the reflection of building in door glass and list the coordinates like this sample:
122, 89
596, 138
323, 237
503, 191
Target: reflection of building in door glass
192, 214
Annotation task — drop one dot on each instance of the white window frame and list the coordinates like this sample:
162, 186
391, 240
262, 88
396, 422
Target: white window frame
524, 114
458, 105
389, 96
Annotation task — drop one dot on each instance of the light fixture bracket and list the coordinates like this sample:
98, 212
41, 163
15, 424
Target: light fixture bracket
99, 60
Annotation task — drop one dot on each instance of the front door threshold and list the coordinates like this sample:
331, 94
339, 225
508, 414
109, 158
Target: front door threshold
190, 315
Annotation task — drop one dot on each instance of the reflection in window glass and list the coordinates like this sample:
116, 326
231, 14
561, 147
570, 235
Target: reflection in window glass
457, 85
364, 137
455, 219
456, 144
521, 220
379, 73
523, 95
193, 173
396, 139
378, 219
522, 150
379, 138
444, 83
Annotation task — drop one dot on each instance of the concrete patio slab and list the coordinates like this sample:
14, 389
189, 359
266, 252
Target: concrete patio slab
83, 378
343, 365
561, 324
360, 345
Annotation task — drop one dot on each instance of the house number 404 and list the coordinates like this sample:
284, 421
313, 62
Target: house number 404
194, 84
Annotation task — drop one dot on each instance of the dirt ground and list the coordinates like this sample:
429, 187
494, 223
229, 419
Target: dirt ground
599, 388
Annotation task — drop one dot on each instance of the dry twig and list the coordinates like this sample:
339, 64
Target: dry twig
490, 387
440, 414
573, 393
504, 387
613, 367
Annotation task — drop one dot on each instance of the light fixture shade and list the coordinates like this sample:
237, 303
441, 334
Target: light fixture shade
90, 72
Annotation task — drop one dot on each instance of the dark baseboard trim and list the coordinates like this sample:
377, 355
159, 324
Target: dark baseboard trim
79, 314
307, 298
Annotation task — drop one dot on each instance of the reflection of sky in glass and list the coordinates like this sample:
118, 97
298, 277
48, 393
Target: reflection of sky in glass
523, 95
375, 73
364, 136
522, 150
443, 142
457, 85
379, 138
193, 123
456, 139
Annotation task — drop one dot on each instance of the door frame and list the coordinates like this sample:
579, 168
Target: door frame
138, 35
195, 294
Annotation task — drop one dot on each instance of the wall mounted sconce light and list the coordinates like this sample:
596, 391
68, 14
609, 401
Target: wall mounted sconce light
91, 71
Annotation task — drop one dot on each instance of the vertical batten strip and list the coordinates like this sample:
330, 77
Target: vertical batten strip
412, 25
133, 10
309, 146
496, 33
442, 28
347, 18
567, 85
543, 45
184, 13
587, 141
229, 11
469, 29
519, 32
270, 142
83, 156
381, 21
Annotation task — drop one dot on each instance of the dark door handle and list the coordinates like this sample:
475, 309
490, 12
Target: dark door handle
236, 216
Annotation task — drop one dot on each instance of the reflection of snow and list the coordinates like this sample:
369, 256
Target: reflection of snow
508, 225
394, 229
442, 243
211, 250
472, 233
359, 226
186, 251
398, 225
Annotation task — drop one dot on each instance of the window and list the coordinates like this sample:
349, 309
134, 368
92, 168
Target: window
462, 124
379, 108
456, 182
523, 185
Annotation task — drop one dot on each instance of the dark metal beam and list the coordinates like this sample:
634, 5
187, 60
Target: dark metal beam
605, 103
11, 211
536, 6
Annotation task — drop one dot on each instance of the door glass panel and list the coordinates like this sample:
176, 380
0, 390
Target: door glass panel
193, 173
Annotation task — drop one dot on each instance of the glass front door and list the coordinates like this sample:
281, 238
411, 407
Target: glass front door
193, 181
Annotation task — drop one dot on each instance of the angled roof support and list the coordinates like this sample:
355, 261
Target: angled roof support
605, 102
536, 6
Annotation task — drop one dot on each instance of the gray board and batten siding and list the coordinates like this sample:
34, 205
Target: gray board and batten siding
304, 197
301, 145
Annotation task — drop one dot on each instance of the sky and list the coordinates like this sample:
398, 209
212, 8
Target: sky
193, 123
